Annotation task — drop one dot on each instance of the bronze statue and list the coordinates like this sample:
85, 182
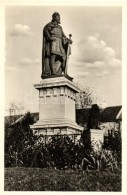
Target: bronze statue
55, 49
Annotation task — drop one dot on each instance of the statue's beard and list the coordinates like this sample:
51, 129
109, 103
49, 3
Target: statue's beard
58, 22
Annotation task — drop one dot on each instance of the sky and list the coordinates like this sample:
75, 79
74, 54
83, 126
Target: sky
95, 61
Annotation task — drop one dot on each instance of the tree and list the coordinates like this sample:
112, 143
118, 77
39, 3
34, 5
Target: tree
88, 96
84, 98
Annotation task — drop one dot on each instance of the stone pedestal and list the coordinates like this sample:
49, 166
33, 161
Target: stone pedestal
97, 138
57, 107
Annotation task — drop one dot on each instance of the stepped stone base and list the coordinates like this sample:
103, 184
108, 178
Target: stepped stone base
57, 107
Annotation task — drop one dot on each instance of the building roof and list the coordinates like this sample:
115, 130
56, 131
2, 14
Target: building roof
110, 114
11, 119
119, 115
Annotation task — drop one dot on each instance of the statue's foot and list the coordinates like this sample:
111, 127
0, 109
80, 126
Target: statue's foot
43, 76
53, 74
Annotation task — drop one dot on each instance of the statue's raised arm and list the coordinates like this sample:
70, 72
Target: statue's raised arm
55, 50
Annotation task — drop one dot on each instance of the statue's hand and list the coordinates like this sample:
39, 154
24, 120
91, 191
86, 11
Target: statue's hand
69, 41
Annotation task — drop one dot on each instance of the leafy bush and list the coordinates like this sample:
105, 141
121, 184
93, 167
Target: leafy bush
18, 138
101, 160
23, 148
114, 143
59, 152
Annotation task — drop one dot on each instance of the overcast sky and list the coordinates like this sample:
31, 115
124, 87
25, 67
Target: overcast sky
96, 50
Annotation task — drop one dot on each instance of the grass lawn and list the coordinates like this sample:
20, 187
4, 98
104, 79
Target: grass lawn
37, 179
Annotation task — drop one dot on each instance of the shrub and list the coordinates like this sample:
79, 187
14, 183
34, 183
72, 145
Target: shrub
101, 160
18, 138
23, 148
114, 143
64, 152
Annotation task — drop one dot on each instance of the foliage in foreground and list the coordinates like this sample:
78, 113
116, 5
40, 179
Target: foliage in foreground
23, 148
114, 143
37, 179
101, 160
